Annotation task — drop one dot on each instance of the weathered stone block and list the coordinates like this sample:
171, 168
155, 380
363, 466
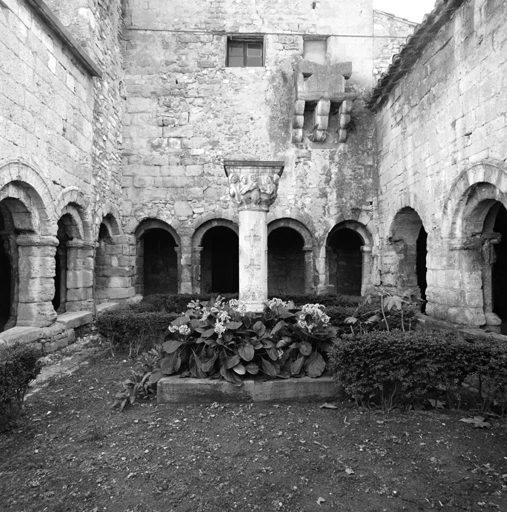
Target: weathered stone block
177, 390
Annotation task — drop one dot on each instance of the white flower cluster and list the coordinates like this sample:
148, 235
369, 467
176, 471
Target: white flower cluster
182, 329
277, 303
238, 306
317, 314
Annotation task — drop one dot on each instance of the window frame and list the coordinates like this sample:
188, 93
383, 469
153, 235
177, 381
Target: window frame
245, 39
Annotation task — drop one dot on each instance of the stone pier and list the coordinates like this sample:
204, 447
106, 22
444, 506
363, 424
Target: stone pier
253, 187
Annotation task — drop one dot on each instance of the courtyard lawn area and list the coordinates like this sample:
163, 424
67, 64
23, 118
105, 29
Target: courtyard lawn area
72, 452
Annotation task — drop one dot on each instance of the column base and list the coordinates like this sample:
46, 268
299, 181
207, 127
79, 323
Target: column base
254, 306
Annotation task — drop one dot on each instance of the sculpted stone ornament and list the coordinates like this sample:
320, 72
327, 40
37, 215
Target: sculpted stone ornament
254, 191
253, 188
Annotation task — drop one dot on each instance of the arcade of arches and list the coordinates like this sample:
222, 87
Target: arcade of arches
157, 260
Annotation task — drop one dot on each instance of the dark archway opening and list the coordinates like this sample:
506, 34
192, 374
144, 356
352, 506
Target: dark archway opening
286, 262
64, 235
346, 263
421, 269
103, 266
220, 261
160, 262
500, 268
5, 276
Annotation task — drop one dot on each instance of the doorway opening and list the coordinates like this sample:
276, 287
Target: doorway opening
286, 262
346, 261
160, 262
220, 261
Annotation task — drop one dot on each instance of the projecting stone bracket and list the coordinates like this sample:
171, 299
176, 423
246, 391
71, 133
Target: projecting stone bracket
319, 88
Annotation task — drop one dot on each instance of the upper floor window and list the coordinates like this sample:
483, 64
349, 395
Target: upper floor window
245, 52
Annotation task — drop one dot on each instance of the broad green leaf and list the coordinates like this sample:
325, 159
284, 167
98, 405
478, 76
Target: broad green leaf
181, 320
246, 352
278, 326
252, 369
208, 333
155, 377
230, 376
239, 369
233, 325
272, 353
268, 368
167, 366
296, 366
208, 365
284, 375
231, 361
315, 365
267, 343
171, 346
350, 320
195, 324
305, 347
259, 328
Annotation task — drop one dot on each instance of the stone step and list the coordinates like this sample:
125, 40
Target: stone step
175, 390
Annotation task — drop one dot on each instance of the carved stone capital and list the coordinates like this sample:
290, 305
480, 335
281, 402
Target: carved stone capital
253, 185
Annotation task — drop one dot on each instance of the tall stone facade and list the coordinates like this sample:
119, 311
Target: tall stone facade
120, 120
190, 106
441, 117
60, 167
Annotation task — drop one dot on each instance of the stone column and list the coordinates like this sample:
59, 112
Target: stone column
366, 270
253, 187
489, 240
77, 289
309, 285
37, 280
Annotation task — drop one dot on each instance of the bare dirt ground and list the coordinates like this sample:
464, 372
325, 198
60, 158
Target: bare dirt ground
72, 452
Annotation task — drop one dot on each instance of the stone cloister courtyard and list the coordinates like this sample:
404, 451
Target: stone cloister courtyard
253, 256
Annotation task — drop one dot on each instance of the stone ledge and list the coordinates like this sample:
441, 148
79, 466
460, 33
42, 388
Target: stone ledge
107, 306
75, 319
175, 390
20, 335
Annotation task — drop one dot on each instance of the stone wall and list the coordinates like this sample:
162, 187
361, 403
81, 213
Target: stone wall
391, 33
60, 130
187, 112
442, 156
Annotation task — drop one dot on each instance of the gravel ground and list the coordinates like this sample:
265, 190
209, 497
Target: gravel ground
72, 452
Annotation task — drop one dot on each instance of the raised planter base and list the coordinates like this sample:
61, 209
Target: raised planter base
175, 390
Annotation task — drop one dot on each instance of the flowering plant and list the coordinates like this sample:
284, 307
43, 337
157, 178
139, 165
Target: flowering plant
220, 338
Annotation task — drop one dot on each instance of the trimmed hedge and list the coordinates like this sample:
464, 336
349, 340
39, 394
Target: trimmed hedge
396, 369
19, 365
132, 329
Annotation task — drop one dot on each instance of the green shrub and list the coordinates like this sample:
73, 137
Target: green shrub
18, 366
130, 330
220, 339
396, 369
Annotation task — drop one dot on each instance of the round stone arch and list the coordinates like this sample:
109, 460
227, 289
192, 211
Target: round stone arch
463, 189
474, 221
113, 278
158, 258
72, 201
21, 178
28, 248
108, 215
306, 257
359, 237
204, 275
404, 255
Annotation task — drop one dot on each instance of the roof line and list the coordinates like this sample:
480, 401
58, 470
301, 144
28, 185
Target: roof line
410, 53
56, 26
397, 17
